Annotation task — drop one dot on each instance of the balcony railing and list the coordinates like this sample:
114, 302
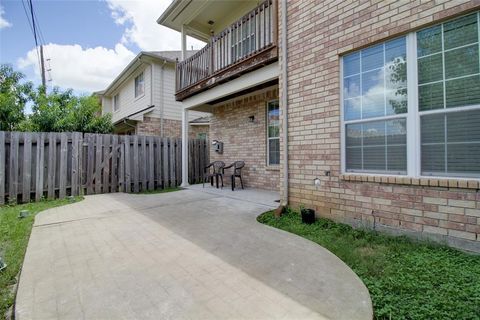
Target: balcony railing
247, 37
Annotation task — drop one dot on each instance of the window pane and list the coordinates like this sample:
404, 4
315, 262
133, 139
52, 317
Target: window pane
351, 64
273, 131
464, 158
460, 32
351, 87
353, 158
460, 153
381, 84
374, 133
397, 132
430, 69
373, 105
433, 159
397, 101
372, 58
432, 128
373, 99
430, 96
395, 50
429, 41
352, 109
463, 92
377, 146
461, 62
463, 126
274, 151
397, 158
354, 135
374, 158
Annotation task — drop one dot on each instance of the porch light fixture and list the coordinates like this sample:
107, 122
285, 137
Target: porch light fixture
252, 118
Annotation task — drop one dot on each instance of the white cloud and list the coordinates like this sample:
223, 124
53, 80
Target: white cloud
92, 69
84, 70
141, 28
3, 22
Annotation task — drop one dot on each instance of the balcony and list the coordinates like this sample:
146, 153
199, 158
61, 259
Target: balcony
248, 44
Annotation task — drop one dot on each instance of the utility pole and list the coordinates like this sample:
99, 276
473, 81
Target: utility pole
42, 66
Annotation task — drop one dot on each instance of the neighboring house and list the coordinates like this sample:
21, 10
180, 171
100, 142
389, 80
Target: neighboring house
141, 99
371, 116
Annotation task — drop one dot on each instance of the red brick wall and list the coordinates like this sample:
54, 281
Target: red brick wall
171, 128
244, 140
320, 31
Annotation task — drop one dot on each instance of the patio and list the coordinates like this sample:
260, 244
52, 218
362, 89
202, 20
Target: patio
192, 254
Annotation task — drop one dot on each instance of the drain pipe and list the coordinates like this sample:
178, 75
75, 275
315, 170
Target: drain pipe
284, 66
162, 103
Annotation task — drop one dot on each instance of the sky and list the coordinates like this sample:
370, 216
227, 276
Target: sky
87, 42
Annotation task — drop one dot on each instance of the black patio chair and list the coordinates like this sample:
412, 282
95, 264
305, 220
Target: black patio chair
237, 172
213, 170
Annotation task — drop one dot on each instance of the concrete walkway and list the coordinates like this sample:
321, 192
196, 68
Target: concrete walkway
180, 255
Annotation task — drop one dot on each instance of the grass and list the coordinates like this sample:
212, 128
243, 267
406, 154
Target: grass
406, 279
14, 235
166, 190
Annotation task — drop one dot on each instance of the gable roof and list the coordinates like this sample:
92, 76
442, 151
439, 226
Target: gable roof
161, 56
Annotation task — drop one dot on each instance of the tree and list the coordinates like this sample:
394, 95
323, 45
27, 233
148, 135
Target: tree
63, 111
14, 95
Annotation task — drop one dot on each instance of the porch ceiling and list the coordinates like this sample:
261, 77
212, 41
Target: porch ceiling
196, 15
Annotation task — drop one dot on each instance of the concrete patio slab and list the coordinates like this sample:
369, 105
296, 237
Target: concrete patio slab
182, 255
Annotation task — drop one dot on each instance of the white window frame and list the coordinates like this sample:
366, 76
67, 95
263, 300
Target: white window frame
412, 116
135, 93
266, 133
115, 102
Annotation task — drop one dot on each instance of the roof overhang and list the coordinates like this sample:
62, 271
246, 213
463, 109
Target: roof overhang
141, 58
199, 18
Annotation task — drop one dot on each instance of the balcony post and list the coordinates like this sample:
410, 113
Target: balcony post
185, 151
184, 42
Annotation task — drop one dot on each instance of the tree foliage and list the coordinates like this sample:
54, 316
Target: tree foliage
13, 97
55, 111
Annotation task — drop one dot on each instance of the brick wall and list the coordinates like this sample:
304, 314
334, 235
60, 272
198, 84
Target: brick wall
320, 31
193, 131
244, 140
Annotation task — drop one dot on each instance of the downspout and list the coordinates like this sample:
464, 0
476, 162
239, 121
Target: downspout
162, 101
284, 56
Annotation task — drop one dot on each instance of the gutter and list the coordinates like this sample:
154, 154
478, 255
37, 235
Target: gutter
284, 67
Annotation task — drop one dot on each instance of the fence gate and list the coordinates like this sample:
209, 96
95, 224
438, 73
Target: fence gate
36, 165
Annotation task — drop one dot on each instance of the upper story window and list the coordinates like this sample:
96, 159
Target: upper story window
116, 102
412, 105
273, 133
139, 86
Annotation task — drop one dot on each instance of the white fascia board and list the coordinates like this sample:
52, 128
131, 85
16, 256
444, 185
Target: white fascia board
247, 81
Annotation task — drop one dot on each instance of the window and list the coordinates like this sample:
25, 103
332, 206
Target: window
428, 125
273, 133
116, 101
448, 82
374, 87
202, 135
139, 85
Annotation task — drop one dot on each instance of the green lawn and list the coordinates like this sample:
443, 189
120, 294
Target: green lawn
406, 279
14, 234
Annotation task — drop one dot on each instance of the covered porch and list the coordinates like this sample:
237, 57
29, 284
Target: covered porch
246, 124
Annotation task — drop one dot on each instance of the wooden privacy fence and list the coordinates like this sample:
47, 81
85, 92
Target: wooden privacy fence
55, 165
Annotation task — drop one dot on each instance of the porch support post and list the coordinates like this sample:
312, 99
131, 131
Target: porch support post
184, 42
185, 148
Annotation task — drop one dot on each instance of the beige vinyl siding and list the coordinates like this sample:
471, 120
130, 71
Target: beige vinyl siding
172, 108
128, 104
